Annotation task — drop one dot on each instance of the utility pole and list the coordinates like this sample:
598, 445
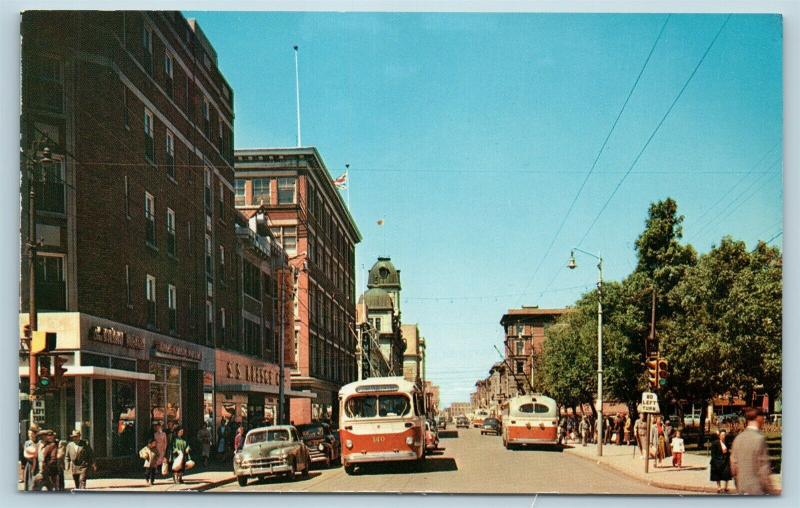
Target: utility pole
281, 346
359, 355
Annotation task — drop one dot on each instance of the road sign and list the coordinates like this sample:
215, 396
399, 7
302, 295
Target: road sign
649, 403
38, 412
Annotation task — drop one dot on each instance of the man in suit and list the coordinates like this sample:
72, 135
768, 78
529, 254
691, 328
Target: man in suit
78, 459
750, 459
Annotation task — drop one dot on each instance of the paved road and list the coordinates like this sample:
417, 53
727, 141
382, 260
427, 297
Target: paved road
468, 463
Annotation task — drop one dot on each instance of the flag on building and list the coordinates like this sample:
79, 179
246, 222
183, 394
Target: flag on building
341, 182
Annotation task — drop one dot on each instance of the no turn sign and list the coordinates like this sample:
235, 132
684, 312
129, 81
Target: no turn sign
649, 403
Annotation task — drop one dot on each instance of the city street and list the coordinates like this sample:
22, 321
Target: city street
469, 463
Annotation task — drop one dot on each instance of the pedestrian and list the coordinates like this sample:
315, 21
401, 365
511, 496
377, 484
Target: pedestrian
677, 450
640, 428
627, 429
79, 459
180, 454
222, 434
151, 461
658, 442
750, 458
668, 436
47, 459
204, 438
584, 430
30, 453
609, 423
721, 462
61, 457
561, 432
619, 424
160, 437
238, 441
570, 428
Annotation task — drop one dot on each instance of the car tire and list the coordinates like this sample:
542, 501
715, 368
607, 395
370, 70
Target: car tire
350, 469
242, 481
305, 472
293, 473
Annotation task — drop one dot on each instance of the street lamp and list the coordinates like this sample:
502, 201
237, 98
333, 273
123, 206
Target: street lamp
572, 265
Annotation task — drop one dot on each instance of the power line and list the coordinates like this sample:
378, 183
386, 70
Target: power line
597, 157
655, 131
776, 235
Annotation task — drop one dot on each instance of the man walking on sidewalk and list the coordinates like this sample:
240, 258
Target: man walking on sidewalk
750, 459
78, 459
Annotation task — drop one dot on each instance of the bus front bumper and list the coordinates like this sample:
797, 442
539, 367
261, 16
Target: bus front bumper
360, 458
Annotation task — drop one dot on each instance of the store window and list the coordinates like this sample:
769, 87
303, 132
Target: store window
165, 393
123, 406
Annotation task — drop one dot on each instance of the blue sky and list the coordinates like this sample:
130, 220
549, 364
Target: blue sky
470, 134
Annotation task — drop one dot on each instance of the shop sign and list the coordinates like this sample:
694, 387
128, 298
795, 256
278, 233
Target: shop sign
251, 373
177, 350
115, 337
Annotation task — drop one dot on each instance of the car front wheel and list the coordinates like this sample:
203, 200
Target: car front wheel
242, 481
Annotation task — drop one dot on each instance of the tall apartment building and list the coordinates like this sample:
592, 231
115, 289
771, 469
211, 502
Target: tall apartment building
308, 217
524, 336
137, 271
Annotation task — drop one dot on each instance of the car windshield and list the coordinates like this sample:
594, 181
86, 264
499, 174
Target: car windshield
369, 406
489, 421
266, 435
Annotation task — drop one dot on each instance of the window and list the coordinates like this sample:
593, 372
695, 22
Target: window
377, 324
47, 86
50, 196
209, 258
206, 117
128, 299
221, 198
222, 264
127, 197
286, 188
520, 330
520, 367
520, 347
147, 49
169, 155
251, 284
239, 196
168, 73
149, 144
207, 193
219, 127
172, 306
221, 338
150, 294
251, 337
165, 392
312, 198
209, 322
171, 244
149, 216
286, 237
51, 288
312, 249
123, 419
261, 191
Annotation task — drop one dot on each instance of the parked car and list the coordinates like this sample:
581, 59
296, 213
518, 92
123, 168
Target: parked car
270, 451
442, 423
322, 445
431, 438
462, 422
491, 425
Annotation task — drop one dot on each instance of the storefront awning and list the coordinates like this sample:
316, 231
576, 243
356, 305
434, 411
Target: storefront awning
272, 390
101, 372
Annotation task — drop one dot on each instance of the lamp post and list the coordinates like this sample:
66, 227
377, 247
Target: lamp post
572, 265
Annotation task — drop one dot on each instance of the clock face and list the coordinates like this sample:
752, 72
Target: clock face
384, 272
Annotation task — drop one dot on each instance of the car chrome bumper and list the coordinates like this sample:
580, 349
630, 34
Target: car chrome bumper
532, 441
263, 470
357, 458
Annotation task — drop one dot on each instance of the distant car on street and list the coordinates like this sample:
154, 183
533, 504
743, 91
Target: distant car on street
322, 444
442, 423
491, 425
462, 422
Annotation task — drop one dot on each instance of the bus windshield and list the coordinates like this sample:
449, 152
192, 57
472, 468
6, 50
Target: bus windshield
370, 406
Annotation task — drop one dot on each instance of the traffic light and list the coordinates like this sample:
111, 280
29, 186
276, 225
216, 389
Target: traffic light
663, 373
45, 380
58, 370
43, 342
652, 372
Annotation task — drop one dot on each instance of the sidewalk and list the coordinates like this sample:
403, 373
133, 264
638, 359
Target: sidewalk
193, 482
692, 477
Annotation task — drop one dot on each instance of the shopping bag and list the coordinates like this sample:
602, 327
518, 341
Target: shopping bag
144, 453
177, 464
189, 464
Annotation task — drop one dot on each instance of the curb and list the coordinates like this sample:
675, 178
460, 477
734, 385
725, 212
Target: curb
212, 485
652, 483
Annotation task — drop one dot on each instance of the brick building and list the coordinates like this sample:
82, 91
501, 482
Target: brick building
309, 219
524, 336
138, 271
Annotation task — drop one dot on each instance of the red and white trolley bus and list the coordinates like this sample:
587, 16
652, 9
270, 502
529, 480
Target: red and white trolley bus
480, 415
381, 419
530, 419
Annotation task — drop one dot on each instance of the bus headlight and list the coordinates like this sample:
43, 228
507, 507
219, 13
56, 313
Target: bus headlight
348, 444
409, 440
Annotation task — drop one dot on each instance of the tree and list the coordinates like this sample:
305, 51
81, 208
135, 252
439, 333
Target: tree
568, 360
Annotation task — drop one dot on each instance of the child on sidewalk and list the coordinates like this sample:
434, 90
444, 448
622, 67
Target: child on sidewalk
150, 456
677, 449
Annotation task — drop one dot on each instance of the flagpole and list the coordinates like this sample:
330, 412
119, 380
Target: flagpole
297, 95
347, 179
